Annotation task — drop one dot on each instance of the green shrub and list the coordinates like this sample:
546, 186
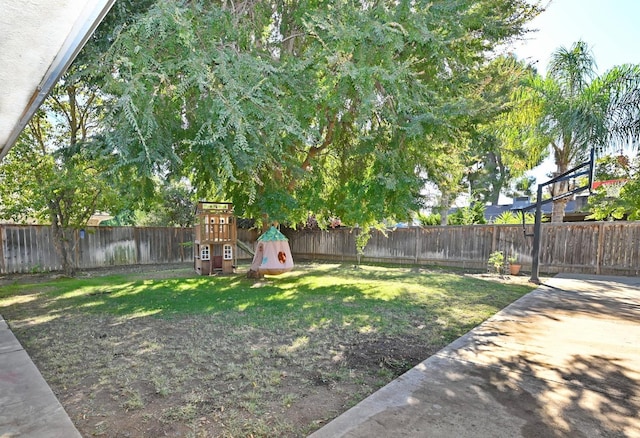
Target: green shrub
474, 214
429, 220
496, 260
510, 217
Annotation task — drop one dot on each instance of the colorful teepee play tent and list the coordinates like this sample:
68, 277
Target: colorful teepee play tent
273, 255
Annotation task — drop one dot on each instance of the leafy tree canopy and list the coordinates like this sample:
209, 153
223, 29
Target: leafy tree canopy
174, 205
290, 108
626, 203
504, 146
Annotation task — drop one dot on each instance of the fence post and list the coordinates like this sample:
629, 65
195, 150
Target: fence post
418, 231
76, 249
600, 248
2, 243
136, 239
181, 245
494, 238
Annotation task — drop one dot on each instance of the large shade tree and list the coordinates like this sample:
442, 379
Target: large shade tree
286, 108
580, 110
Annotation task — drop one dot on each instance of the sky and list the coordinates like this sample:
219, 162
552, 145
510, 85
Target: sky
609, 27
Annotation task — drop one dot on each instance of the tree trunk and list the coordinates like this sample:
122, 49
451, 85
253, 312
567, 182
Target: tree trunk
63, 244
445, 203
557, 210
557, 189
501, 176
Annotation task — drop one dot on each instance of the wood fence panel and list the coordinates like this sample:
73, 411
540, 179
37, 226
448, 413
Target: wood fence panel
143, 246
14, 251
304, 242
298, 242
151, 247
51, 260
338, 244
633, 254
621, 248
3, 243
431, 245
396, 245
28, 249
106, 246
569, 247
586, 247
31, 248
344, 243
513, 242
463, 246
162, 245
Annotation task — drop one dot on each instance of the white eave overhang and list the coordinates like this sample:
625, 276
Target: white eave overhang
39, 39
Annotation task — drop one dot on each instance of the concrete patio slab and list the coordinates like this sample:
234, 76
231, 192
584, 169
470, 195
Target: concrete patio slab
563, 360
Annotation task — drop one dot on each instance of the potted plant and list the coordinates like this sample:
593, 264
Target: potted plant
514, 266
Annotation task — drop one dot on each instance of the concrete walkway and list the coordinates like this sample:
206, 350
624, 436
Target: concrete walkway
562, 361
28, 407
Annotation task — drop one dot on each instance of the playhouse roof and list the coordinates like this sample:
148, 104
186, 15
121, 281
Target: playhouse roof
272, 235
213, 207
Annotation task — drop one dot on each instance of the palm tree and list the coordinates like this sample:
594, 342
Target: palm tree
579, 110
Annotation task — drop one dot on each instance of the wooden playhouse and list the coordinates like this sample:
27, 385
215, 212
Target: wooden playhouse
216, 235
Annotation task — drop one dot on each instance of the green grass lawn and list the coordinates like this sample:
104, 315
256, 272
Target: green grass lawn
384, 299
337, 332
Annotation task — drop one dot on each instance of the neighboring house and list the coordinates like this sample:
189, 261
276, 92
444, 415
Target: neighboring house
576, 209
97, 218
26, 222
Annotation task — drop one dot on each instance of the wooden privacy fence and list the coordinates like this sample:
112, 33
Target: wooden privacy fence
610, 248
30, 248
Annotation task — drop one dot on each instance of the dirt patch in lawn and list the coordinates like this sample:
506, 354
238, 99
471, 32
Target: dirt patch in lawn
147, 377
